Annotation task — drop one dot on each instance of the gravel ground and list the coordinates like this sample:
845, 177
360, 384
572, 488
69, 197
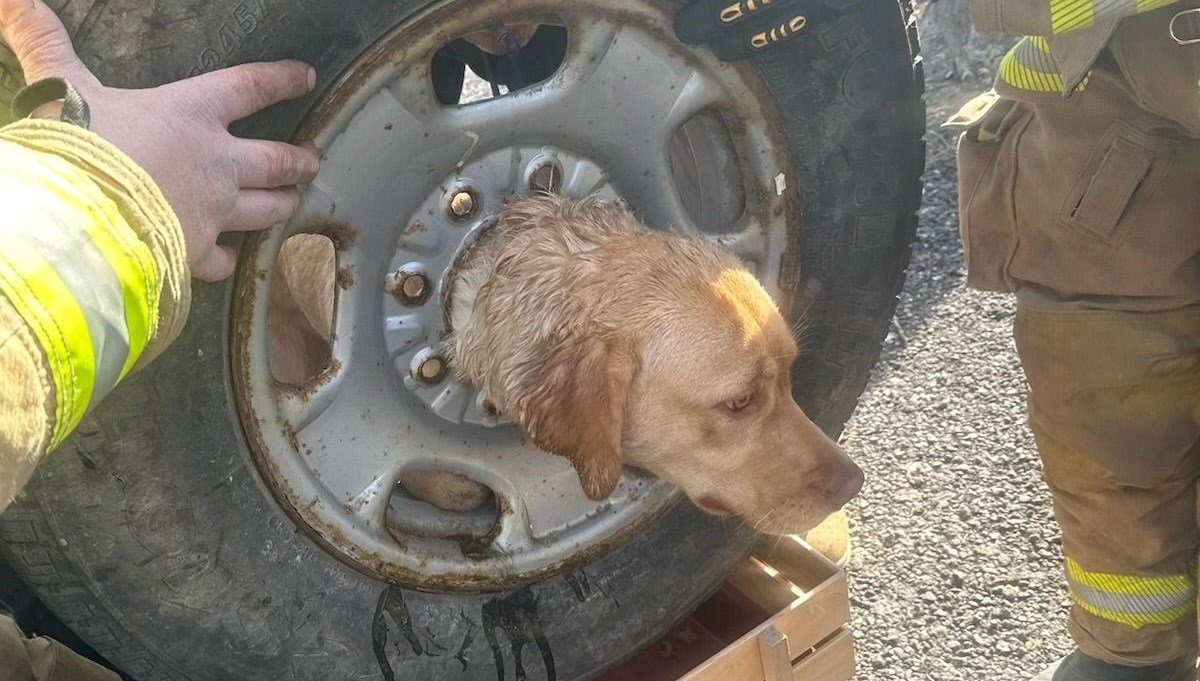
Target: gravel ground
956, 572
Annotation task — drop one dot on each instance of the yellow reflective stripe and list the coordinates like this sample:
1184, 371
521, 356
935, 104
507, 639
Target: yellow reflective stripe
1130, 585
1147, 5
1068, 15
134, 266
1017, 74
44, 301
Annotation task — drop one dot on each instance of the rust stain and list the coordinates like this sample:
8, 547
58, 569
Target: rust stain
345, 278
341, 234
305, 389
290, 433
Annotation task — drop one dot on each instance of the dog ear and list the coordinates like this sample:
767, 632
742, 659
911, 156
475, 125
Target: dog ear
576, 408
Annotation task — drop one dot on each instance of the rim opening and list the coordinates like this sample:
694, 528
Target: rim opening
300, 317
707, 174
504, 67
435, 504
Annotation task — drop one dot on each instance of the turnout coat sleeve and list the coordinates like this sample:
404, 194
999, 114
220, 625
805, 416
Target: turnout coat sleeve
93, 283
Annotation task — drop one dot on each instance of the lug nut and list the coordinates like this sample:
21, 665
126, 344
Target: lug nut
432, 370
410, 288
547, 178
462, 205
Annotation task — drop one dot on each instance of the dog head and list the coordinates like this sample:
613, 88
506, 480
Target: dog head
684, 369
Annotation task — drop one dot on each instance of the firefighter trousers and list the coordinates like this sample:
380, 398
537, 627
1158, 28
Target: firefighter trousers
1088, 209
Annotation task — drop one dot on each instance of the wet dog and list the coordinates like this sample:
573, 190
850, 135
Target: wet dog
611, 344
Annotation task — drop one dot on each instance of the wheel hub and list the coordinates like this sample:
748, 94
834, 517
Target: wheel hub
462, 206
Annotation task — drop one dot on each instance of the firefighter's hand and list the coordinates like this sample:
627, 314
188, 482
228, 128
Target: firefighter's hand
737, 29
179, 134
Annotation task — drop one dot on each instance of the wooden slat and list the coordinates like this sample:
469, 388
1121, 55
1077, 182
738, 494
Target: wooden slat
776, 660
833, 661
805, 622
767, 592
796, 561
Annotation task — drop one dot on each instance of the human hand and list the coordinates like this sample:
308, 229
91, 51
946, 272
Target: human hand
736, 29
179, 133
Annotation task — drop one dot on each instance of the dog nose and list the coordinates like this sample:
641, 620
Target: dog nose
847, 484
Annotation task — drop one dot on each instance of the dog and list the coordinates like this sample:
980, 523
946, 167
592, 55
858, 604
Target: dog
611, 344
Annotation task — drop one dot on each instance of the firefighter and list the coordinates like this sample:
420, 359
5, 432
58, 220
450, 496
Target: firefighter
1079, 191
1079, 179
112, 200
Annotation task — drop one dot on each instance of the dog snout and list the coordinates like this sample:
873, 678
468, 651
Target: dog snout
846, 484
841, 478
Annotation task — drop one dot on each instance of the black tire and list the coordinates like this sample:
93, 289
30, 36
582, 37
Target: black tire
150, 535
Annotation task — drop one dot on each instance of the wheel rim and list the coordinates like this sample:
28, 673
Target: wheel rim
331, 452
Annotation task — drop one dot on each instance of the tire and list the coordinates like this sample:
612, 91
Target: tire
151, 536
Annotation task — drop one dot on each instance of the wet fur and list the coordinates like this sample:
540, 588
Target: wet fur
580, 323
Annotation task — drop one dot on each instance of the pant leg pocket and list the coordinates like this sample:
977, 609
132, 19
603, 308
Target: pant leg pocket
986, 180
1101, 196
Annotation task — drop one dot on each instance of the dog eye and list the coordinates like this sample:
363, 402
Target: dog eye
739, 403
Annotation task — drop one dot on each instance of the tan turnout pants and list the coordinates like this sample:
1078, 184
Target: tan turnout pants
42, 659
1088, 208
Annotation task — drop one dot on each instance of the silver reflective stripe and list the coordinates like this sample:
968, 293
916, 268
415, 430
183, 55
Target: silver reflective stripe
1131, 604
97, 290
1031, 55
1102, 8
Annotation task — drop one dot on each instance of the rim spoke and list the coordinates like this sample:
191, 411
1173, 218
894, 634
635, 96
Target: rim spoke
597, 106
301, 406
369, 505
749, 242
650, 189
516, 532
339, 431
612, 104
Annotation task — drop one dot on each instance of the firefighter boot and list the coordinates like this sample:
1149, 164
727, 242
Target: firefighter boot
1080, 667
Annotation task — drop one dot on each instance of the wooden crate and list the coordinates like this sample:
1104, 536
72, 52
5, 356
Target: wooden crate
781, 616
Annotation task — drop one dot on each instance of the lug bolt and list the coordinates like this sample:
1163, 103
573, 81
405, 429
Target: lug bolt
432, 370
410, 288
462, 205
547, 178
